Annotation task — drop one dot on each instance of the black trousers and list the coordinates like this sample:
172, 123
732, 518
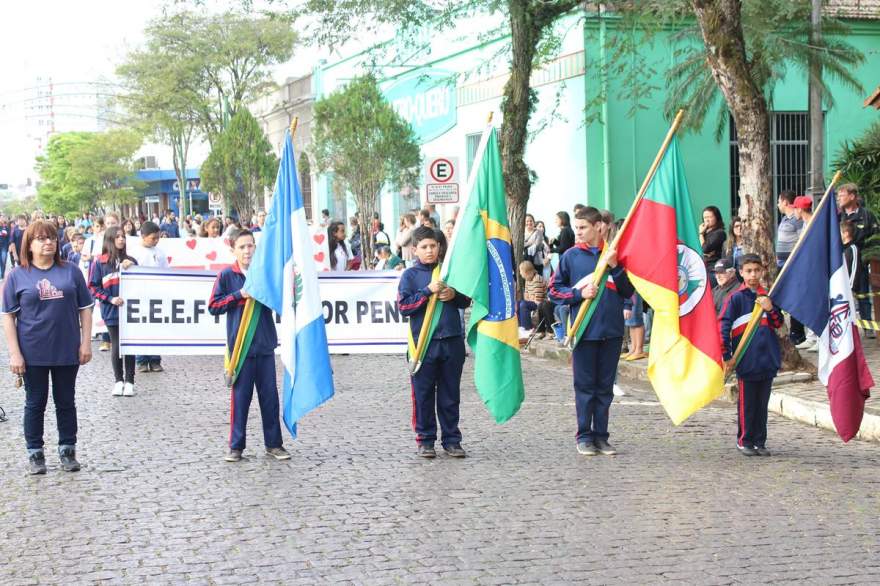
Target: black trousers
751, 421
117, 361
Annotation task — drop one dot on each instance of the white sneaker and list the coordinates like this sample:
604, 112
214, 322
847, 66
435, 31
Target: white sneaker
128, 391
618, 392
118, 389
813, 348
805, 344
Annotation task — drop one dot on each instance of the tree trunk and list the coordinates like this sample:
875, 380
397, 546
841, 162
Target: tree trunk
721, 26
517, 104
366, 201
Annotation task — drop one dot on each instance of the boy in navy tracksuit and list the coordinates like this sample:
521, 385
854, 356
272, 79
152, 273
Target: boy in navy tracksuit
259, 366
438, 379
760, 362
595, 357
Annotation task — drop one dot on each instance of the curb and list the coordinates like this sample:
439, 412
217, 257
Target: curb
818, 414
813, 413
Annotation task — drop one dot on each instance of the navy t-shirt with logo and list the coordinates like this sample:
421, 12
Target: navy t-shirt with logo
46, 304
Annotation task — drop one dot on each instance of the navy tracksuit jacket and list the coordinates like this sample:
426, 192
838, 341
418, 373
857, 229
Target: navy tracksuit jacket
758, 366
259, 365
595, 358
438, 381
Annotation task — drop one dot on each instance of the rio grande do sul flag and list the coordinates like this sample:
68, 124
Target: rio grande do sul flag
660, 249
814, 288
479, 264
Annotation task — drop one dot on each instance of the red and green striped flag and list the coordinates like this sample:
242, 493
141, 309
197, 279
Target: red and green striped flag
660, 249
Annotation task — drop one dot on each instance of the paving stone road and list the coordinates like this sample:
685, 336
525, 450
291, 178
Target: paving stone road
155, 502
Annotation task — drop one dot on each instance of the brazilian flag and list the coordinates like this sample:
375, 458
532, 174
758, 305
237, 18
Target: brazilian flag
479, 264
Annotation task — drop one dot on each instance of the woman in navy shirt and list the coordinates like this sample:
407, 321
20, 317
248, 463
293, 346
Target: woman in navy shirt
104, 284
47, 319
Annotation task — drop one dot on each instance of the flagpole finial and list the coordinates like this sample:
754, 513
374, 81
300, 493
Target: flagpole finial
293, 124
490, 117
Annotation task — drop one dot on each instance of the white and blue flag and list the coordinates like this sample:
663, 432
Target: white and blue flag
283, 277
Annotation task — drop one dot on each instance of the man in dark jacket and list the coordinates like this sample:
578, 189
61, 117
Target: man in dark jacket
727, 283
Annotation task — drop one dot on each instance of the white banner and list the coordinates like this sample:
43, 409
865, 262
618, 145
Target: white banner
214, 254
166, 312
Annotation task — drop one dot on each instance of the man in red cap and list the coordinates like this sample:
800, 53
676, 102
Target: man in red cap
803, 210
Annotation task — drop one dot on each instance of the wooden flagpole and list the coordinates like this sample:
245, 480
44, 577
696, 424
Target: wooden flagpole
756, 317
601, 267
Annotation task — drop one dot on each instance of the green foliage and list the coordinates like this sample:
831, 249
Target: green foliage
859, 162
213, 63
241, 164
82, 170
777, 35
365, 143
361, 138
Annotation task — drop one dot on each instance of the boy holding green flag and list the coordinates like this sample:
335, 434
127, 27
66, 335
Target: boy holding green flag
437, 382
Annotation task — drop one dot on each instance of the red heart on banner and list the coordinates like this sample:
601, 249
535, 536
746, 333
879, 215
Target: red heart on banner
169, 260
191, 243
319, 238
319, 257
211, 255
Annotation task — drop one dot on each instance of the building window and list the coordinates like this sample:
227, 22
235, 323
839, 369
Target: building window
789, 154
472, 144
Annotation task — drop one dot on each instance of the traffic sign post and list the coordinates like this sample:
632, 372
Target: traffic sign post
215, 201
442, 180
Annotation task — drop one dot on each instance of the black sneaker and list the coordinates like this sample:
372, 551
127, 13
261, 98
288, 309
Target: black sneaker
762, 451
278, 453
587, 449
156, 367
37, 463
68, 460
233, 456
747, 450
427, 451
142, 368
455, 450
605, 448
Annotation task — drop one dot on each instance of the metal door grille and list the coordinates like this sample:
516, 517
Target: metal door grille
789, 151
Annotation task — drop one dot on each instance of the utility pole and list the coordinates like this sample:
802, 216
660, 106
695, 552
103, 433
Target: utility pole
817, 130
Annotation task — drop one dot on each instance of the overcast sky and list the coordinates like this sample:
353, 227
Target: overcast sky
69, 42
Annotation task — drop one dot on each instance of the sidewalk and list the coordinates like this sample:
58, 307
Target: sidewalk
797, 396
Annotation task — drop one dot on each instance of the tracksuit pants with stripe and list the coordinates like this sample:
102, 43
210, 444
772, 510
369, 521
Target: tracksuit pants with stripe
751, 420
259, 371
595, 367
437, 386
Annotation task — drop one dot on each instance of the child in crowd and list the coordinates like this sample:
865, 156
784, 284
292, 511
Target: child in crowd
150, 255
534, 298
852, 257
595, 357
436, 385
104, 284
761, 361
259, 365
76, 245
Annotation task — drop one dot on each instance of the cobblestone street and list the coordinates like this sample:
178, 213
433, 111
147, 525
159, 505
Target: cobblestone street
156, 503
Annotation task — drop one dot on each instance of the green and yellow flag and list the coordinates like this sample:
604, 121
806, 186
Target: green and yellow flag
479, 264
